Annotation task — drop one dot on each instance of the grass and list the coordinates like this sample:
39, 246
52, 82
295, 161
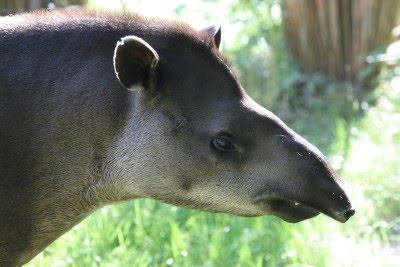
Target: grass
364, 148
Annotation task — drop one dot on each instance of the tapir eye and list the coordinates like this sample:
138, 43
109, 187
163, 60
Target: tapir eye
223, 142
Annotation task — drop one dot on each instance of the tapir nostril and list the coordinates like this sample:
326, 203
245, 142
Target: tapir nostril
349, 213
344, 215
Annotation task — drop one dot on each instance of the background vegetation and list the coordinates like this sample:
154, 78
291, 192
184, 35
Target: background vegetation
360, 136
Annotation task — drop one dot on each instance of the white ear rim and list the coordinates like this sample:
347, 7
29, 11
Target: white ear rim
133, 38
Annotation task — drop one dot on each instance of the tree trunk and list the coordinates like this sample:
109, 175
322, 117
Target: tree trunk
334, 37
16, 6
33, 4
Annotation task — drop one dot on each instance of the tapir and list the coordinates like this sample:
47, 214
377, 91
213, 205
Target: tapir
101, 108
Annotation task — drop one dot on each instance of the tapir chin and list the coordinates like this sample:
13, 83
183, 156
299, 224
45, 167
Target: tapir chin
100, 108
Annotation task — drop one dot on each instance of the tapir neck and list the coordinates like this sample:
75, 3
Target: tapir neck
62, 155
63, 180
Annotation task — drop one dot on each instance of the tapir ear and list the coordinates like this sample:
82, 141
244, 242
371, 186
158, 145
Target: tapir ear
135, 62
214, 32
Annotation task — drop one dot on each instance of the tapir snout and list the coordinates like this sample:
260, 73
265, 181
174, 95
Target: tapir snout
308, 185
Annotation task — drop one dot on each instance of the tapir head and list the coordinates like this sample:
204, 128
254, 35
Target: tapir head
194, 138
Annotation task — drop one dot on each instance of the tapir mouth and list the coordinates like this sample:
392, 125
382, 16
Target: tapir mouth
295, 211
288, 210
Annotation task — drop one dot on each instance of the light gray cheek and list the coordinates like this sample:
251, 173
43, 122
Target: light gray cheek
160, 156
